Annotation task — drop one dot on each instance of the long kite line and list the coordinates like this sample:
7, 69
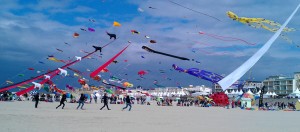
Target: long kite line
194, 10
240, 71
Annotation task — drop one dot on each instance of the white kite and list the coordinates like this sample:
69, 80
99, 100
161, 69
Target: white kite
62, 71
239, 72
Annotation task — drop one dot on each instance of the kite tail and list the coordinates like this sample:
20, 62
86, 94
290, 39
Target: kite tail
94, 73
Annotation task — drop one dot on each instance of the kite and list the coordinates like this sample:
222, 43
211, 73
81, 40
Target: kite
152, 41
224, 38
41, 62
140, 10
82, 29
21, 75
115, 62
92, 20
91, 29
59, 50
104, 70
111, 35
9, 82
69, 87
142, 72
74, 70
134, 32
127, 84
240, 71
259, 23
193, 10
116, 24
157, 52
75, 35
63, 72
24, 86
97, 49
67, 44
54, 59
147, 37
151, 7
94, 73
206, 75
106, 83
82, 81
31, 69
97, 78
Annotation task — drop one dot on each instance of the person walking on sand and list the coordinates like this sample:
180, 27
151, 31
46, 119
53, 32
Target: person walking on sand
128, 103
36, 99
62, 101
81, 101
105, 101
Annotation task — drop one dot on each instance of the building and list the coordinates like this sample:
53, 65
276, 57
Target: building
281, 85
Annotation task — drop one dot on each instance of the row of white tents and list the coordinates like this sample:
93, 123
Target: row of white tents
236, 93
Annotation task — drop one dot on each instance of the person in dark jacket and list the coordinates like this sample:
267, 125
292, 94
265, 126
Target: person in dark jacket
105, 101
81, 101
128, 103
36, 98
62, 101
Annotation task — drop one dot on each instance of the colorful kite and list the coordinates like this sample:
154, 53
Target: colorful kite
94, 73
91, 29
116, 24
206, 75
259, 23
75, 35
134, 32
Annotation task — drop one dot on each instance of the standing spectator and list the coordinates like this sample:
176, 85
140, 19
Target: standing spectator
36, 99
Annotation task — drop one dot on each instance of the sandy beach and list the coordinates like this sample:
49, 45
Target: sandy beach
22, 116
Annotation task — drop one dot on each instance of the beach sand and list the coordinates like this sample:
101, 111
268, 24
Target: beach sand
22, 116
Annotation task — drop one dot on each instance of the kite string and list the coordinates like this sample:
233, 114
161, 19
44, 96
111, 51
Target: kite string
194, 10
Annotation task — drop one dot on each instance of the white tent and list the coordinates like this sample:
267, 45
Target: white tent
296, 93
249, 92
274, 94
240, 92
226, 92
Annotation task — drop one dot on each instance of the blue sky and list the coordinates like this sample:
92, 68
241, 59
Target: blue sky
31, 30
